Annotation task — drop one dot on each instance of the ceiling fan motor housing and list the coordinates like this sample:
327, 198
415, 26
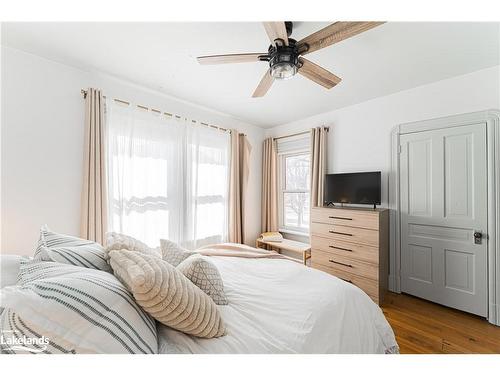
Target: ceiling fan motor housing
283, 59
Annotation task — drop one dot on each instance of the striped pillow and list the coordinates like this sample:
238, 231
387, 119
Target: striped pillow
51, 239
81, 256
55, 247
79, 310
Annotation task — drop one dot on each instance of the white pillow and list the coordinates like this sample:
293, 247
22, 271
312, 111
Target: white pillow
9, 269
120, 241
205, 275
173, 253
79, 310
56, 247
52, 239
81, 256
167, 295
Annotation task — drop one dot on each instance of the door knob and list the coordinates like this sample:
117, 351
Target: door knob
478, 237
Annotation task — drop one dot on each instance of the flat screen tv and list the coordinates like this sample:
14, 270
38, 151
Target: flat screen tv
352, 188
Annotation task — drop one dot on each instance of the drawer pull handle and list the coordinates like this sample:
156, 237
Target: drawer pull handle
339, 248
347, 280
340, 218
344, 234
342, 264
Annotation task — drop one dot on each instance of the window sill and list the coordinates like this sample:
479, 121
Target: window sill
294, 232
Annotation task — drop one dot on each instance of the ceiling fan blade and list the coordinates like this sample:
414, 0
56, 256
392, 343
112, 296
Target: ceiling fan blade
318, 74
335, 33
276, 30
264, 85
229, 59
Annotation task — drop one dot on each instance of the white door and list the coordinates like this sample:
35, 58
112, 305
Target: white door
443, 204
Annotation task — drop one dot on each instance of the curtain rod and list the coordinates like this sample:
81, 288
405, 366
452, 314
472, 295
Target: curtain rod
301, 133
84, 93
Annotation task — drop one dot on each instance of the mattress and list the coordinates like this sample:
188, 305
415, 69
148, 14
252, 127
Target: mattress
279, 306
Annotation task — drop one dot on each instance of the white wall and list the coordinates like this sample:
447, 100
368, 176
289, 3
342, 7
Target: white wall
359, 138
42, 145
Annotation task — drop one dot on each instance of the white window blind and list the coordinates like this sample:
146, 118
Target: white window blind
293, 144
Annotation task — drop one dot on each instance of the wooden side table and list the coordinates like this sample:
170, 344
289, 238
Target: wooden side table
293, 246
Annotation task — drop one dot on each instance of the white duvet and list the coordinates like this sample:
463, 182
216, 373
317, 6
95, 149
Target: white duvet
279, 306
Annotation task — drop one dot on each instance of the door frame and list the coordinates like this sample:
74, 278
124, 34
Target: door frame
492, 119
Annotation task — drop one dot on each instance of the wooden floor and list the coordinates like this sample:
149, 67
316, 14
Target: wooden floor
424, 327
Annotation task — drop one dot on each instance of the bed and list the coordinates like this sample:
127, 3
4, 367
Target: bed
280, 306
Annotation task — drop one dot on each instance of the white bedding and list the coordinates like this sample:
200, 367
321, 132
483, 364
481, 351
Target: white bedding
279, 306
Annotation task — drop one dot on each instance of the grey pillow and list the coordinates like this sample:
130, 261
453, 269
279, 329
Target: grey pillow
173, 253
205, 275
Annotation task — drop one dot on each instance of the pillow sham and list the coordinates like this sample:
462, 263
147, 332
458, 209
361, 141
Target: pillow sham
205, 275
81, 256
173, 253
120, 241
55, 247
166, 294
52, 239
76, 309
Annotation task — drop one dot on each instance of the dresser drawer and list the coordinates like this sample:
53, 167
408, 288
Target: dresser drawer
345, 233
369, 286
351, 218
347, 249
345, 264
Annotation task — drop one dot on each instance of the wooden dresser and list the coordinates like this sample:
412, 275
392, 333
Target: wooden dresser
352, 244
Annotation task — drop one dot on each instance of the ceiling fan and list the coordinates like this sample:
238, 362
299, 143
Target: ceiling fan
285, 54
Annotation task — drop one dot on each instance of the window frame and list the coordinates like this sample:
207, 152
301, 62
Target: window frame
282, 156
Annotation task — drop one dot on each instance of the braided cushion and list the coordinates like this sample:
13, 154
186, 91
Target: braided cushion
120, 241
166, 294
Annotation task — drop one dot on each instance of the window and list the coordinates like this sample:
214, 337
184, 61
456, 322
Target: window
166, 178
294, 188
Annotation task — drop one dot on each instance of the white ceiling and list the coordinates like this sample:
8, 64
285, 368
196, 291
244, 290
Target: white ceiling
161, 56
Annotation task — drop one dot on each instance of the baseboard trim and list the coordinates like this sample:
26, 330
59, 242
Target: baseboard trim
393, 285
494, 315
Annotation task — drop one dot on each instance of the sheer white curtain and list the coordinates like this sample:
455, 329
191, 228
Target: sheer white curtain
167, 178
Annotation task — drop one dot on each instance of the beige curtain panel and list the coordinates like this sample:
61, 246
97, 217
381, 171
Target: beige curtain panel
94, 193
238, 181
318, 164
269, 209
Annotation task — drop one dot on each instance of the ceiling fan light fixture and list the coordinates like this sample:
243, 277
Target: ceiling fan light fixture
283, 70
283, 61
